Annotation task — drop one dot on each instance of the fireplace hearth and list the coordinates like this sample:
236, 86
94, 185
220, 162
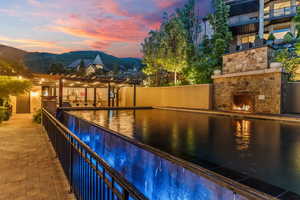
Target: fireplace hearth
243, 102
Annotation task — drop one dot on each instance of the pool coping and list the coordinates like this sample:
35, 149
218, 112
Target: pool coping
279, 117
244, 185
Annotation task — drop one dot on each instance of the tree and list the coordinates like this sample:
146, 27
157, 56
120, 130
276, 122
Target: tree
174, 47
208, 56
222, 36
12, 68
57, 68
150, 49
13, 86
81, 68
191, 23
289, 60
296, 20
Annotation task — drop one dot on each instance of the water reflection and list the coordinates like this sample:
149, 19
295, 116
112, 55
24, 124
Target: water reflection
266, 150
242, 134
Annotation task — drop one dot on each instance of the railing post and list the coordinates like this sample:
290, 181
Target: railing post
71, 164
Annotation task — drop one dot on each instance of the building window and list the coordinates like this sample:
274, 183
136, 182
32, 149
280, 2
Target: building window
280, 33
281, 9
247, 39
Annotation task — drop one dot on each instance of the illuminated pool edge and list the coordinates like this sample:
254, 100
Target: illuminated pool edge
230, 189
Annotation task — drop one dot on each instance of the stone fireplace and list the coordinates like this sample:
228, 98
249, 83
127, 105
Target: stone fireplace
248, 83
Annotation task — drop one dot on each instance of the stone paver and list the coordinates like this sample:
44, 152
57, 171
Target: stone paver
28, 167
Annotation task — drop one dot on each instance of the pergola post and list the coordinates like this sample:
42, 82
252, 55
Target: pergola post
54, 94
113, 99
117, 96
108, 95
60, 99
85, 96
134, 94
95, 96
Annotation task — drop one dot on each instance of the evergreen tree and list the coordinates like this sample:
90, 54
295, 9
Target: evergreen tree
208, 55
81, 68
57, 68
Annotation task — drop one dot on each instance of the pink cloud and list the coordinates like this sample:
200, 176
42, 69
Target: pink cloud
34, 3
26, 43
107, 25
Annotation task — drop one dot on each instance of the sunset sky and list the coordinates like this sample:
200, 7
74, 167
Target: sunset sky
114, 26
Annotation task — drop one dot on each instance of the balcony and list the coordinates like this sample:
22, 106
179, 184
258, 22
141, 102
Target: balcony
281, 13
242, 20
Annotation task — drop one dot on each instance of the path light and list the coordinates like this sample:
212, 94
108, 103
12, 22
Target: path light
20, 77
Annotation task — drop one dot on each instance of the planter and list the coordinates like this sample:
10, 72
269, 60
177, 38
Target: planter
276, 65
217, 72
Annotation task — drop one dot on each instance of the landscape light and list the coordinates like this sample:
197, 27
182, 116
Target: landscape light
34, 94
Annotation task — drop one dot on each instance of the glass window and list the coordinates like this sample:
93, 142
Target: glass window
247, 39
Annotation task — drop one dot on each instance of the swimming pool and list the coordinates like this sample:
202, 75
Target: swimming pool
246, 150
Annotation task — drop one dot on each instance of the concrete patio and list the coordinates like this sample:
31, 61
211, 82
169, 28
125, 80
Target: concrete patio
28, 167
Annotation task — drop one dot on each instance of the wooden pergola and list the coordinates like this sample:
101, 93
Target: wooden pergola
61, 81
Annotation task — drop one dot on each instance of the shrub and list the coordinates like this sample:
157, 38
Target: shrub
288, 37
271, 37
4, 114
37, 117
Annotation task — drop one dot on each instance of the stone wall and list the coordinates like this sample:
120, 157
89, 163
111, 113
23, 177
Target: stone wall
250, 60
266, 89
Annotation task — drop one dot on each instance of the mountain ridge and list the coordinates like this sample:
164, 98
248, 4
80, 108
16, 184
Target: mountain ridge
40, 62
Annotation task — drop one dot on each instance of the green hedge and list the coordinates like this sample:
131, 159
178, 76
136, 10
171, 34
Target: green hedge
4, 114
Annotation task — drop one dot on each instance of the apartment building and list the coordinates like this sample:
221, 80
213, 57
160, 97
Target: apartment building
249, 18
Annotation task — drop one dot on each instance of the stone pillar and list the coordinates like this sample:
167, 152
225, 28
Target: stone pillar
293, 6
293, 28
261, 19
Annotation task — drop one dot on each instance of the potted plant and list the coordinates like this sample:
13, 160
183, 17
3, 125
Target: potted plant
271, 39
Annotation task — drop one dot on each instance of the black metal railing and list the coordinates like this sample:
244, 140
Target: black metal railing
90, 178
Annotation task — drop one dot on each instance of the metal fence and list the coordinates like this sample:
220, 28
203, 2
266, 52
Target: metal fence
90, 178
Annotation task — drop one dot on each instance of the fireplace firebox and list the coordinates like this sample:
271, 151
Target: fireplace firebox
243, 101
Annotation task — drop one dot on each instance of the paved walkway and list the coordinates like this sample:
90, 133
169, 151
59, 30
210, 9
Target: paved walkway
28, 167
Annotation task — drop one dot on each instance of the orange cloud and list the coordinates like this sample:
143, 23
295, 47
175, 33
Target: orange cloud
25, 43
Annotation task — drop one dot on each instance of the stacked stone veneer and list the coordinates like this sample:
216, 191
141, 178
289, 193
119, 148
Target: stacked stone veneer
249, 72
249, 60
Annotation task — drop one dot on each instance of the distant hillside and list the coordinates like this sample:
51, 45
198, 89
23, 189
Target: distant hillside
10, 53
41, 62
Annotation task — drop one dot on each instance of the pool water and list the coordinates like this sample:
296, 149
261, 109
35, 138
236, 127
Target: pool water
265, 150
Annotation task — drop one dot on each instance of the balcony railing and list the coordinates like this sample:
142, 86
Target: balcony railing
282, 12
271, 15
90, 178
